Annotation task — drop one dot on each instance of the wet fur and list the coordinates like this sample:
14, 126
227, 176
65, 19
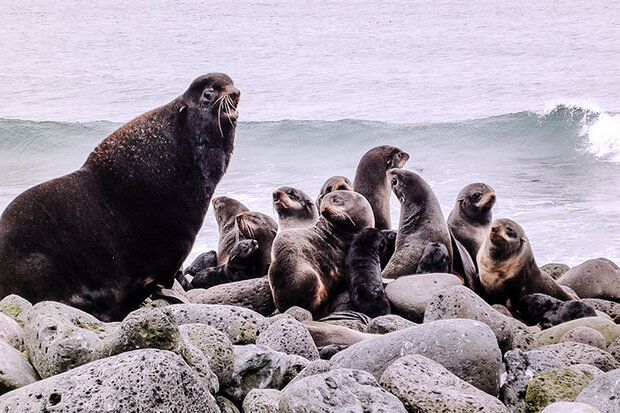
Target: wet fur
548, 311
294, 207
242, 264
435, 258
335, 183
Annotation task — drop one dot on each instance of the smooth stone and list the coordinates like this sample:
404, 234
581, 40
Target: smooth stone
561, 384
314, 367
262, 401
15, 307
299, 314
553, 335
137, 381
555, 270
585, 335
289, 336
356, 325
603, 392
570, 407
577, 353
524, 336
325, 334
596, 278
461, 302
424, 385
58, 337
15, 370
610, 308
253, 294
255, 367
11, 332
388, 323
521, 367
409, 295
242, 326
467, 348
215, 345
342, 390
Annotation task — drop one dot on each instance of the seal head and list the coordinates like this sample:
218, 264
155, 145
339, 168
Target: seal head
294, 208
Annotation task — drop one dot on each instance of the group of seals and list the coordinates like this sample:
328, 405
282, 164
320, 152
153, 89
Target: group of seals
108, 235
308, 263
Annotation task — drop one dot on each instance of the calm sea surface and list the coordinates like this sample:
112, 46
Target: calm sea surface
521, 96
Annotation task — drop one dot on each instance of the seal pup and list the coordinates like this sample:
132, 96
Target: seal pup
242, 264
363, 271
435, 258
471, 217
225, 210
203, 261
547, 311
421, 223
262, 228
372, 182
105, 237
508, 270
335, 183
308, 267
294, 208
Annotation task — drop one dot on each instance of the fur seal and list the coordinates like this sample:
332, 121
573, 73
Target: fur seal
203, 261
308, 267
108, 235
242, 264
372, 182
262, 228
471, 218
294, 207
595, 278
335, 183
421, 223
225, 210
435, 258
363, 271
508, 270
547, 311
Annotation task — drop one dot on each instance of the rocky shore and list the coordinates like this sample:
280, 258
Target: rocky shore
444, 349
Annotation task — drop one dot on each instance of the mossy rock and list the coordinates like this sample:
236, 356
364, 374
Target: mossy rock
561, 384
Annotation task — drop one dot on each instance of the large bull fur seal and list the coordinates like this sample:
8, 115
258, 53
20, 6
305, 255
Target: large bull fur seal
106, 236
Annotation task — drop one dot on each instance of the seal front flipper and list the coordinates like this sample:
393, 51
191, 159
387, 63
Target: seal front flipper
170, 295
464, 266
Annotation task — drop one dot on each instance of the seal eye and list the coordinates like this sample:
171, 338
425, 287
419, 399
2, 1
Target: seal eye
510, 232
476, 196
394, 181
328, 189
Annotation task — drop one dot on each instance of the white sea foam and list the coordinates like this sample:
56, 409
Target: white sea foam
604, 137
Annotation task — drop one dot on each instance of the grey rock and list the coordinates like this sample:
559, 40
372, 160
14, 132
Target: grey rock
215, 345
314, 367
387, 324
242, 326
555, 270
585, 335
570, 407
262, 401
294, 366
255, 367
58, 337
596, 278
338, 391
610, 308
614, 349
607, 328
409, 295
425, 386
15, 307
578, 353
299, 314
289, 336
467, 348
461, 302
521, 367
15, 370
225, 405
253, 294
142, 380
524, 336
325, 334
603, 392
11, 332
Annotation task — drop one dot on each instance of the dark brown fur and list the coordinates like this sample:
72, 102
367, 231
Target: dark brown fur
225, 210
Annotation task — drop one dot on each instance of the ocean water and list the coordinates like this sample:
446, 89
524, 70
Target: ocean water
523, 97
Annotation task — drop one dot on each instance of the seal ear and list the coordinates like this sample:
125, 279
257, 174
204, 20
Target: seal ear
183, 109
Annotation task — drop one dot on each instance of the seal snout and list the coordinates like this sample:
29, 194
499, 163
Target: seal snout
230, 100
